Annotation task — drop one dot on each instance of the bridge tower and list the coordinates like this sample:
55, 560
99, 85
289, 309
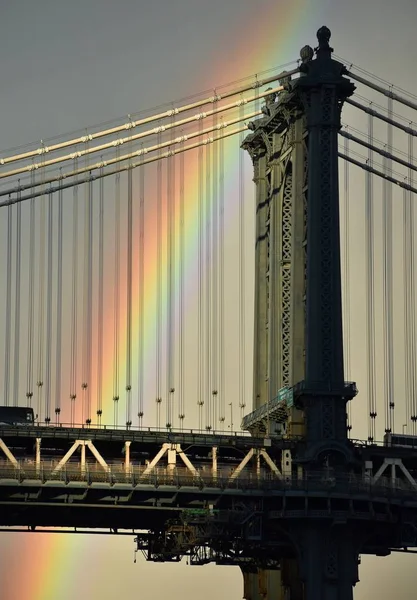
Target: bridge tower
298, 311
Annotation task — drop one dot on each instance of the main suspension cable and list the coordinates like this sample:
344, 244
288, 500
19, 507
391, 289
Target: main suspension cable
119, 169
385, 91
85, 139
150, 132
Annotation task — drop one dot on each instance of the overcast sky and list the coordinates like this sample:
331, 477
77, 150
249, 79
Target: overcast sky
67, 65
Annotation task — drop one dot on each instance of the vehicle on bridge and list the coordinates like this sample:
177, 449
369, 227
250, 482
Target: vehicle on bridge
16, 415
398, 440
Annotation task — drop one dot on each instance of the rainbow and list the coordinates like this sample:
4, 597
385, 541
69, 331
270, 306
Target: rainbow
41, 567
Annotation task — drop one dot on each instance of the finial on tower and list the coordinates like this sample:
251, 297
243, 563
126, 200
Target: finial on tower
306, 54
323, 36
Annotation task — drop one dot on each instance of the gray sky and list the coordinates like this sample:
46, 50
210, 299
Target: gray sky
67, 65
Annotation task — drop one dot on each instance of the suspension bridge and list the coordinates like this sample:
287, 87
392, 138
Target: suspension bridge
179, 418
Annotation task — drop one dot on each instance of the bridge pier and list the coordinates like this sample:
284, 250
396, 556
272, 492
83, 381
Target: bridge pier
328, 562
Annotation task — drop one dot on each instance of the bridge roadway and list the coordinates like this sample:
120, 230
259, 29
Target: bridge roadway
150, 481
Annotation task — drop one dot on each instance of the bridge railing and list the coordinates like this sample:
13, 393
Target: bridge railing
128, 427
180, 477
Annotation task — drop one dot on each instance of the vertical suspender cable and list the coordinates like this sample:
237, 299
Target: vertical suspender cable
158, 285
58, 365
8, 319
90, 303
387, 282
29, 377
18, 264
87, 317
215, 275
129, 298
369, 276
41, 307
181, 332
200, 378
242, 266
207, 386
88, 300
48, 366
116, 296
141, 288
170, 286
346, 304
221, 395
407, 233
100, 299
413, 364
74, 299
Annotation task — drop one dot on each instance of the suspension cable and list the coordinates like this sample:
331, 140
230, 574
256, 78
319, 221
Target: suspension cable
388, 291
88, 309
386, 92
41, 307
85, 139
181, 414
346, 219
412, 286
407, 233
100, 316
31, 269
89, 168
200, 377
141, 291
369, 276
158, 288
48, 366
221, 400
129, 299
116, 306
58, 364
18, 283
381, 174
150, 132
380, 151
242, 266
119, 169
381, 117
8, 320
74, 302
170, 325
214, 285
207, 387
